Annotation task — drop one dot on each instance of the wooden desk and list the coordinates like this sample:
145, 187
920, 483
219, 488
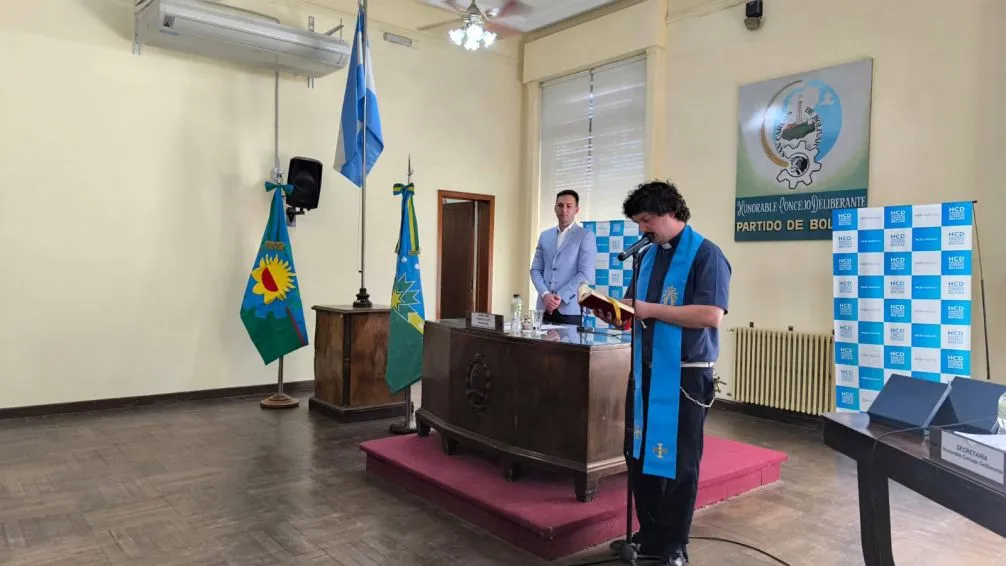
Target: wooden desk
554, 402
904, 458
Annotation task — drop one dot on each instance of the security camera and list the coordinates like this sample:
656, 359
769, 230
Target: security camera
753, 12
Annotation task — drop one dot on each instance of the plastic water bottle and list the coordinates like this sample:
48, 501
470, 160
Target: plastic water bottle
1002, 414
516, 312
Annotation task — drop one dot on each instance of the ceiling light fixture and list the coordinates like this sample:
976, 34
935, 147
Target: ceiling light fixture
474, 33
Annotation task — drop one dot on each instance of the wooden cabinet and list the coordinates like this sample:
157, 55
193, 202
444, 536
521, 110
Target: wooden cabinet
350, 357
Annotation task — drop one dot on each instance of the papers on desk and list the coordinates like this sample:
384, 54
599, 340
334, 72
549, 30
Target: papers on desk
997, 441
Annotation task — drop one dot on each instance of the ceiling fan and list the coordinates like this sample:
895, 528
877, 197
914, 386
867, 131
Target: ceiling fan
477, 28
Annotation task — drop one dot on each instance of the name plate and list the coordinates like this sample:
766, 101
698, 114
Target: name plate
972, 456
485, 321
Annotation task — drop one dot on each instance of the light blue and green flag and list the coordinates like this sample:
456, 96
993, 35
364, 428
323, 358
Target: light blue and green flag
405, 336
272, 311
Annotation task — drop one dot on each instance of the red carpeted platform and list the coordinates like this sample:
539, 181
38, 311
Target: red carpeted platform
540, 513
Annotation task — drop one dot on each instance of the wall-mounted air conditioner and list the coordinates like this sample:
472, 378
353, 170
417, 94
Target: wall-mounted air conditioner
202, 27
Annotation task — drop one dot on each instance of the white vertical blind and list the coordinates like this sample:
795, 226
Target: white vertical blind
565, 141
593, 139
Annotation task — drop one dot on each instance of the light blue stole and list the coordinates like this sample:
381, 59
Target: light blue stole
665, 375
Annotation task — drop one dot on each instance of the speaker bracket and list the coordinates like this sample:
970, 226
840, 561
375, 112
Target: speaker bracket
292, 212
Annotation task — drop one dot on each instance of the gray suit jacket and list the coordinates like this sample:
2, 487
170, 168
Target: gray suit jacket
562, 270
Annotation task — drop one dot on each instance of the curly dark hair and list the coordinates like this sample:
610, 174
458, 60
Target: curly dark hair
656, 197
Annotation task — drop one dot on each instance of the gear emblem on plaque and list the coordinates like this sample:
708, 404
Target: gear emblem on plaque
803, 164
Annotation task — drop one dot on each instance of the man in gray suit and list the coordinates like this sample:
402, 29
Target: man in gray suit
563, 260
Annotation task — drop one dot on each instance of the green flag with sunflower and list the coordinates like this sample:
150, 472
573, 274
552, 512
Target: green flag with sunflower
272, 311
405, 335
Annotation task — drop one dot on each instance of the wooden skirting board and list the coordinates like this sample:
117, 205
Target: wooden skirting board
127, 402
768, 413
367, 413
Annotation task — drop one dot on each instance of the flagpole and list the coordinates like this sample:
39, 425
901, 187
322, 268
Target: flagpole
407, 427
363, 298
278, 400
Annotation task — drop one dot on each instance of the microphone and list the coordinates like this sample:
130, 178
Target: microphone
646, 240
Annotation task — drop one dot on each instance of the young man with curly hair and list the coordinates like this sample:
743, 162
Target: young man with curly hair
685, 285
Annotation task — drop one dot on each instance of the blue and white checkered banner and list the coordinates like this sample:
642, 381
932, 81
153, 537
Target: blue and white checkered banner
902, 277
611, 277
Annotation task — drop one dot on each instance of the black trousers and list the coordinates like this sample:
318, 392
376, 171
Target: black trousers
664, 507
555, 317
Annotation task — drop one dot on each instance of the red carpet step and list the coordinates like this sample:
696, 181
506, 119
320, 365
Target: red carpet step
540, 513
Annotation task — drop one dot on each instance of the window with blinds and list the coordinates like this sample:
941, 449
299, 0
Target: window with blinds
592, 139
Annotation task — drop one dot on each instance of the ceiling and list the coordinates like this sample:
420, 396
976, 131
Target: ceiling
530, 14
533, 15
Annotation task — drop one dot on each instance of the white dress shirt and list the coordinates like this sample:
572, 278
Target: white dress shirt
562, 236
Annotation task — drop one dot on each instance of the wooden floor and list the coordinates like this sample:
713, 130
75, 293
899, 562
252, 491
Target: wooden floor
226, 483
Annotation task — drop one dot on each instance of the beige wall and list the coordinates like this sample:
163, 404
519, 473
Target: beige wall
139, 204
937, 127
134, 199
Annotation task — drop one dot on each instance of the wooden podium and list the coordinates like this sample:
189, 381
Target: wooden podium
350, 356
554, 401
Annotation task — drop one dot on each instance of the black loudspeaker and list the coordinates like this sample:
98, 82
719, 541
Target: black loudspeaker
973, 402
908, 402
305, 176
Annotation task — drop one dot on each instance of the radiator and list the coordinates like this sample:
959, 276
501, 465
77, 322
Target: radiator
793, 371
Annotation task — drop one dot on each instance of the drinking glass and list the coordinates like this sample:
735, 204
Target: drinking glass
536, 319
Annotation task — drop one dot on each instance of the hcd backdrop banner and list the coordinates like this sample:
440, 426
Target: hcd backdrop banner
902, 278
611, 277
803, 151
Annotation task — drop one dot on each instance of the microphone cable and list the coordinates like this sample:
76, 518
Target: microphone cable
647, 559
745, 545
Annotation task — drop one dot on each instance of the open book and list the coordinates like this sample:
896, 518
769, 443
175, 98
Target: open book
621, 314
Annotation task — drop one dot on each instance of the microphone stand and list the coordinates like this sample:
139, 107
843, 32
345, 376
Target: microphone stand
628, 554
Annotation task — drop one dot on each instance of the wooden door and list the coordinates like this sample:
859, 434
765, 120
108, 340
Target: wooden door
457, 284
483, 253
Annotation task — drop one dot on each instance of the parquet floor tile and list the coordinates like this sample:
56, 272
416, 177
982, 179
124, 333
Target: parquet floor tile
224, 483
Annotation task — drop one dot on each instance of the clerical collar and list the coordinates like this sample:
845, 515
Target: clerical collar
674, 241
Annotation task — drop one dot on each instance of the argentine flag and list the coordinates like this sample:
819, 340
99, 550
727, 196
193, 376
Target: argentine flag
349, 150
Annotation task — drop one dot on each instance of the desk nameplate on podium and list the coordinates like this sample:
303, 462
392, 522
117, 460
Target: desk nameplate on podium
484, 321
976, 460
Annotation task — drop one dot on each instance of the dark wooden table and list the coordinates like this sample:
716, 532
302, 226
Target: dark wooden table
554, 401
904, 458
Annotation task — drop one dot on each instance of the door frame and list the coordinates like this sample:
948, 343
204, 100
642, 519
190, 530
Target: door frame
442, 195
